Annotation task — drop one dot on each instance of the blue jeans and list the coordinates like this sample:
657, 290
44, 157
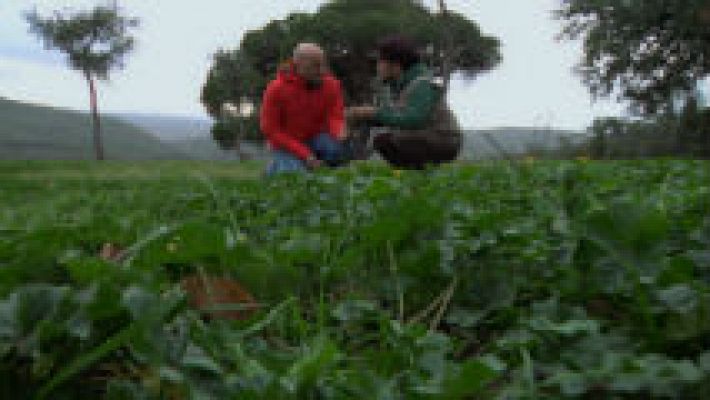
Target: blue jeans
324, 147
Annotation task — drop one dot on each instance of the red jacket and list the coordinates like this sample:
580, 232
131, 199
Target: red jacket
292, 114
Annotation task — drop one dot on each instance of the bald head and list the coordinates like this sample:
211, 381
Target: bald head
309, 59
308, 50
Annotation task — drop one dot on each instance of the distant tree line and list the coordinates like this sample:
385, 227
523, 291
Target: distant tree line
653, 55
680, 134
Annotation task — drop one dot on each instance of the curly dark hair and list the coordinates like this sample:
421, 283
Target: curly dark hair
400, 50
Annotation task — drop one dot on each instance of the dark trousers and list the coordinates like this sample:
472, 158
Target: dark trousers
413, 152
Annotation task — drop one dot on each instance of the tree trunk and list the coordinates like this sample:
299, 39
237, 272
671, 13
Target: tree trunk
448, 46
238, 148
240, 135
98, 143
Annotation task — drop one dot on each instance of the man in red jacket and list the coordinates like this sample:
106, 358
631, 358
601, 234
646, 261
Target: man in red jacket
302, 115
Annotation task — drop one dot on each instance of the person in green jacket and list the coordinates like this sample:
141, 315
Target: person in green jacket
414, 125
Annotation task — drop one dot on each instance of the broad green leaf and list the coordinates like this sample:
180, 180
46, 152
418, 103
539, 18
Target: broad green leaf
704, 362
679, 298
471, 379
195, 358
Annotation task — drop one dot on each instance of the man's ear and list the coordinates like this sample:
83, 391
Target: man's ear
325, 68
286, 65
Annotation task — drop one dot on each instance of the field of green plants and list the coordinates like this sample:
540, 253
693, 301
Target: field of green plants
531, 280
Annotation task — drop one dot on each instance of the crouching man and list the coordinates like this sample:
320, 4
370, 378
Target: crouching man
302, 115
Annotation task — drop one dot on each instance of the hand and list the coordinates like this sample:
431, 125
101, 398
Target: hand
362, 112
343, 135
313, 163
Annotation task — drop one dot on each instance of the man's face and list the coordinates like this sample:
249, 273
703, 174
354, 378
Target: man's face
310, 67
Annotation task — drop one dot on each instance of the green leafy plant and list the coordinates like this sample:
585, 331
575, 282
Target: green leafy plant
541, 280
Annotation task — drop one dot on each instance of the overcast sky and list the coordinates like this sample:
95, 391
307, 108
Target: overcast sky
534, 86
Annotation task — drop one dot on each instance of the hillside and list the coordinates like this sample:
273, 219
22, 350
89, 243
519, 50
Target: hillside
189, 135
36, 132
510, 141
169, 127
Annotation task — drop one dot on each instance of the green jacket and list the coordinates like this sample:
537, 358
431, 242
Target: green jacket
421, 103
